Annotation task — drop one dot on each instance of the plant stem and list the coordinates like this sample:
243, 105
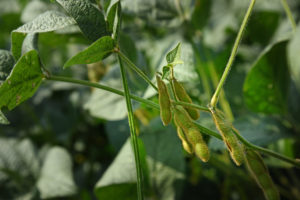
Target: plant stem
215, 97
156, 106
184, 104
136, 69
289, 14
266, 151
103, 87
133, 134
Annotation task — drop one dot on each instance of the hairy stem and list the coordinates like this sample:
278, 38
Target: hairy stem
156, 106
136, 69
133, 134
289, 14
215, 97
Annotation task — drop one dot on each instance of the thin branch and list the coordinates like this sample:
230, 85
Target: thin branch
136, 69
289, 14
156, 106
133, 134
238, 39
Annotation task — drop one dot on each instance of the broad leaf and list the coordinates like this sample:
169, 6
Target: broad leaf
266, 85
293, 50
48, 21
262, 26
3, 119
6, 64
119, 180
19, 168
104, 104
22, 82
173, 57
90, 20
165, 159
56, 178
94, 53
114, 19
30, 43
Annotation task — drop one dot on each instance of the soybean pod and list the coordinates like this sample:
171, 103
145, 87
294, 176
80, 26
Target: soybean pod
182, 95
186, 145
191, 133
234, 147
260, 173
164, 101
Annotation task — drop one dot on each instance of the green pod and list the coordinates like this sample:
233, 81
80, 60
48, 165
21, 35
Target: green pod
164, 101
202, 152
182, 95
195, 138
233, 145
182, 118
186, 145
260, 173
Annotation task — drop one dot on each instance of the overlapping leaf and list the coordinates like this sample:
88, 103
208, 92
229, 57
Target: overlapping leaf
22, 82
94, 53
90, 20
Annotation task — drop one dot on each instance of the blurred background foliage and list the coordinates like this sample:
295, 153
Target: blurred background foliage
71, 142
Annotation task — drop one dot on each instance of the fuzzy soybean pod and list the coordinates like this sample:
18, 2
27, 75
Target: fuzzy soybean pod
182, 95
200, 147
233, 145
192, 133
260, 173
186, 145
164, 101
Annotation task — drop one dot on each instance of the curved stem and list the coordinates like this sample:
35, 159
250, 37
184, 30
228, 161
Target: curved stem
289, 14
136, 69
133, 134
156, 106
266, 151
215, 97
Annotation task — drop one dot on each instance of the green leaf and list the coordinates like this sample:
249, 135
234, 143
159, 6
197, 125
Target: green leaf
48, 21
30, 43
262, 26
173, 57
94, 53
3, 119
6, 64
165, 72
166, 162
56, 178
16, 44
119, 180
104, 104
266, 85
293, 52
201, 13
19, 168
114, 19
90, 20
22, 82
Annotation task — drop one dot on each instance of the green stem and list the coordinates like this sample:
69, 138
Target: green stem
289, 14
156, 106
184, 104
133, 134
136, 69
215, 97
266, 151
103, 87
